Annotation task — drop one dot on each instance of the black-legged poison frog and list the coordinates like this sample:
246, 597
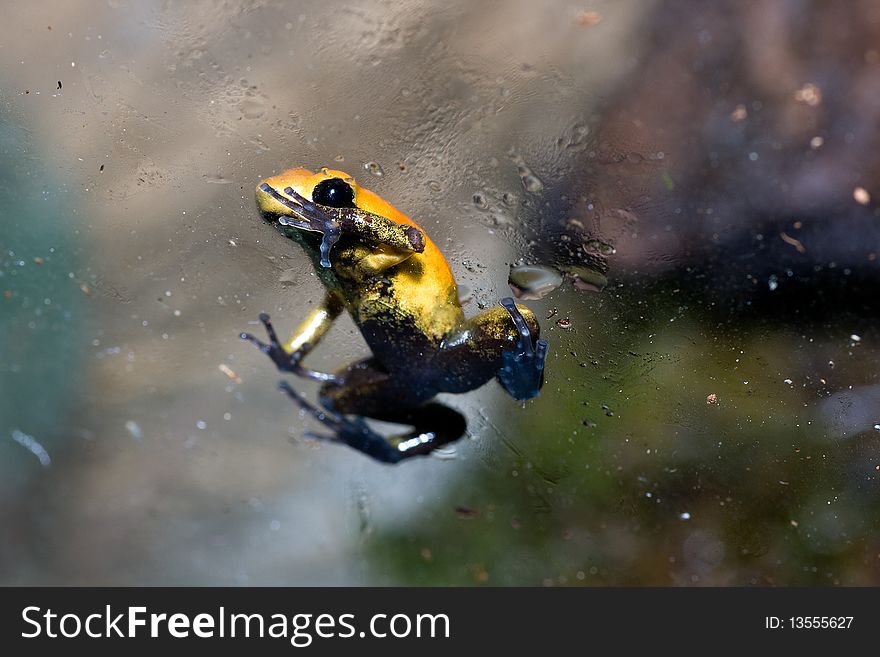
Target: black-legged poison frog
381, 267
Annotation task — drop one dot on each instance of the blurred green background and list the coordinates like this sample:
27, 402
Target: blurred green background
704, 177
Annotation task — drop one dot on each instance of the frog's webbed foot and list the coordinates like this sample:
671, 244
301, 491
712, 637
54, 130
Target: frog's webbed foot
522, 370
284, 361
354, 432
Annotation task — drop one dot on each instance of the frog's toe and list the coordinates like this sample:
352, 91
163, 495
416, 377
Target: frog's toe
522, 368
522, 373
284, 360
259, 344
324, 416
273, 349
320, 437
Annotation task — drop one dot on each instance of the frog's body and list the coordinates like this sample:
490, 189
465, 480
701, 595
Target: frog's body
400, 292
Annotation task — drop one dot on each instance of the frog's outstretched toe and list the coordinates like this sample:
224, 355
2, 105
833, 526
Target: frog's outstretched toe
320, 415
284, 361
522, 369
352, 432
273, 349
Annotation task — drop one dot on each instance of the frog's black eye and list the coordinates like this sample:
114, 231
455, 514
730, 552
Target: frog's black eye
334, 192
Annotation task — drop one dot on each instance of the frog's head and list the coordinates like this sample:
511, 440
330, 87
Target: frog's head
314, 202
327, 187
331, 203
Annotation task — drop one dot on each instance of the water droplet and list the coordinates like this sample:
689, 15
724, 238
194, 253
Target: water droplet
445, 453
501, 219
135, 430
579, 134
531, 283
252, 108
480, 201
532, 183
598, 246
374, 168
588, 279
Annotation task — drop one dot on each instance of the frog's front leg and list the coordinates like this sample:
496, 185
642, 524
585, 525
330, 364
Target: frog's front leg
288, 356
500, 342
522, 369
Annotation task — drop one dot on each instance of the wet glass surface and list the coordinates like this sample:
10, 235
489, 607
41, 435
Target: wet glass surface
694, 189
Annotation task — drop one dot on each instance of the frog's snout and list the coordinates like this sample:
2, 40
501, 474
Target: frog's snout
269, 206
416, 239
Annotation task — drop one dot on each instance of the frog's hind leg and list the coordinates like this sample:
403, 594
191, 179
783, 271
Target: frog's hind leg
365, 390
354, 433
433, 425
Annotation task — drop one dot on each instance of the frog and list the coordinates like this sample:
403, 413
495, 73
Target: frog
381, 267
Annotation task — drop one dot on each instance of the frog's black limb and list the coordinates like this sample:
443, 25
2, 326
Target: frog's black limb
522, 369
434, 425
284, 361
